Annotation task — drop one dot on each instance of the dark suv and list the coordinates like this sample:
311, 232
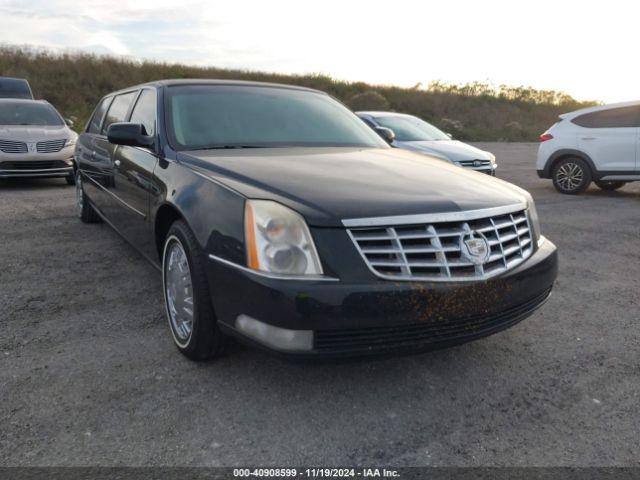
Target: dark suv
278, 217
15, 88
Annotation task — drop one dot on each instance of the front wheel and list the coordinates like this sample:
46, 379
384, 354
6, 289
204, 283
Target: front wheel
85, 210
609, 185
571, 175
187, 296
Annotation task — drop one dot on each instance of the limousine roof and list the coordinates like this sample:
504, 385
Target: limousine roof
196, 81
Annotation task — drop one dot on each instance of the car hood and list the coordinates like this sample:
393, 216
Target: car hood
34, 133
328, 185
453, 150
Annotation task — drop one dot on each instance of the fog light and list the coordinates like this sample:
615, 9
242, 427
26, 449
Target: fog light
276, 337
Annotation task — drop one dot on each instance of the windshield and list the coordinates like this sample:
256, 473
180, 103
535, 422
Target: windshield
27, 113
411, 129
223, 116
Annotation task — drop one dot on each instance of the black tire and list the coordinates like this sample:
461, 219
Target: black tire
71, 179
571, 175
86, 212
610, 185
204, 341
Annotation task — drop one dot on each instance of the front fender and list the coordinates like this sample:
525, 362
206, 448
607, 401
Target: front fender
214, 212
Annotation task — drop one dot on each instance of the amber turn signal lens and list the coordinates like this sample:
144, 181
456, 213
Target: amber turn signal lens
250, 237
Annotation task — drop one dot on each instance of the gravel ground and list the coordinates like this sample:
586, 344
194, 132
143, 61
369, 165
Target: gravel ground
89, 375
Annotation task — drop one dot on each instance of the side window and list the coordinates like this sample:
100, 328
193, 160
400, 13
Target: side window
118, 110
145, 111
611, 118
98, 115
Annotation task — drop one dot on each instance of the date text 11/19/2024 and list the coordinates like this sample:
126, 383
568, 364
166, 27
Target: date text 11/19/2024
316, 472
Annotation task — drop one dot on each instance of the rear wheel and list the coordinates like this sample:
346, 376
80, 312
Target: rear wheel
85, 210
187, 296
609, 185
571, 175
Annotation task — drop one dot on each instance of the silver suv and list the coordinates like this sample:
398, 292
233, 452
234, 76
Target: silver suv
35, 141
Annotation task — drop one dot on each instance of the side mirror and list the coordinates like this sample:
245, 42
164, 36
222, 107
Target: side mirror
132, 134
69, 122
386, 133
449, 135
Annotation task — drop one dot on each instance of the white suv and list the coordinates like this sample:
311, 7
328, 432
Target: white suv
598, 143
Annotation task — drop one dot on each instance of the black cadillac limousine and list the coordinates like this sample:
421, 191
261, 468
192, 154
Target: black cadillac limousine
278, 217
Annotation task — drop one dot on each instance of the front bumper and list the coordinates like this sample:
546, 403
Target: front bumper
381, 317
489, 170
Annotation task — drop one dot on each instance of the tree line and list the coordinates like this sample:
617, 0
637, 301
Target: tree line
74, 82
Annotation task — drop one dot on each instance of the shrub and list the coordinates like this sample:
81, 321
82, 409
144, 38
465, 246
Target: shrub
477, 111
369, 100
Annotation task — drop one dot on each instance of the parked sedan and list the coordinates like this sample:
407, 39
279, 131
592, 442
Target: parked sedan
35, 141
413, 133
277, 217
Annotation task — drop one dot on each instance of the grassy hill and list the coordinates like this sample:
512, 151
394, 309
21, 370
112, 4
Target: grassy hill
75, 82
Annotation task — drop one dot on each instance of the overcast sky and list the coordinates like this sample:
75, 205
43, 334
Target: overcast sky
587, 49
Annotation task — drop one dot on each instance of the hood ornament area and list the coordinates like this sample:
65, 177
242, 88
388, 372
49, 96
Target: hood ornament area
475, 247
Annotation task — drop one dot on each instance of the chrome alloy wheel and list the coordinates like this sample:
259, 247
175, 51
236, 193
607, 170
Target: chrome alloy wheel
79, 195
178, 291
570, 176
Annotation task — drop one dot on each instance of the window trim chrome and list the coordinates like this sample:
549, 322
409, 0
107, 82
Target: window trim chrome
433, 217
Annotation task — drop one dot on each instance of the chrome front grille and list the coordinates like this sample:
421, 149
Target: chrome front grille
475, 163
9, 146
50, 146
438, 250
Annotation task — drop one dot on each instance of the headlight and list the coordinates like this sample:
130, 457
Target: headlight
71, 142
533, 218
278, 240
492, 157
